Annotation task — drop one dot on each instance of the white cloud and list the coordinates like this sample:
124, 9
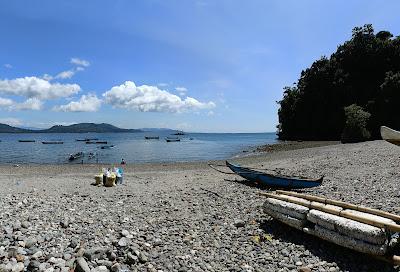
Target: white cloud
210, 113
182, 90
150, 98
5, 102
34, 87
80, 62
47, 77
8, 66
29, 104
11, 121
65, 74
87, 103
162, 84
79, 69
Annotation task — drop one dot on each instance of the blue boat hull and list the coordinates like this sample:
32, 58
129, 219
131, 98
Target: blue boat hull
273, 180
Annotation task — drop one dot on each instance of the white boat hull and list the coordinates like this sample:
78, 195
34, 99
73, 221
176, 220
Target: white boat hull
390, 135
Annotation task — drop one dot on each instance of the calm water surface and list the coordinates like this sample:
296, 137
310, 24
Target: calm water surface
130, 146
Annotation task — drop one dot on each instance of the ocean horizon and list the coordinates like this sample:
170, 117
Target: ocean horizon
132, 147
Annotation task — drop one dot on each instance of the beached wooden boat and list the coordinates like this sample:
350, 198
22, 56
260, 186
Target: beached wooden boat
359, 228
152, 137
390, 135
75, 156
53, 142
273, 180
26, 141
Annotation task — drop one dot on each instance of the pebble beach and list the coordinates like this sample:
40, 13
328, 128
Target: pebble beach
186, 216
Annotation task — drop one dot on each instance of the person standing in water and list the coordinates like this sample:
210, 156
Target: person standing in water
123, 162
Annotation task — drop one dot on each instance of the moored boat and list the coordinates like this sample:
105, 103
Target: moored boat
106, 146
152, 137
169, 139
52, 142
75, 156
86, 139
390, 135
26, 141
273, 180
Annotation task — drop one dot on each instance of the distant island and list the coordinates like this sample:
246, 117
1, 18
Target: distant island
75, 128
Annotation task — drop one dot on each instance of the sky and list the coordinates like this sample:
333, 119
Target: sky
195, 65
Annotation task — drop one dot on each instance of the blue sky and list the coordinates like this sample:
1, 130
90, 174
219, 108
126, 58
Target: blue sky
209, 66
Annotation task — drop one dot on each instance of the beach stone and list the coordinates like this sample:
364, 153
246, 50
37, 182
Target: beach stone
305, 269
64, 223
125, 233
100, 268
33, 265
123, 242
131, 259
81, 265
30, 242
239, 223
18, 267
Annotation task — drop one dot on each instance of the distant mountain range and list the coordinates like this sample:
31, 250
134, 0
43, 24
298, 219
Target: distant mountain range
75, 128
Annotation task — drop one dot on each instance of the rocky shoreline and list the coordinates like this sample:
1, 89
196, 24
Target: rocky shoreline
184, 216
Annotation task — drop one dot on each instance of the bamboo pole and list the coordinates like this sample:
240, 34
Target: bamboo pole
321, 207
342, 204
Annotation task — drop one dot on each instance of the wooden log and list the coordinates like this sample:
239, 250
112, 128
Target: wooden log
321, 207
342, 204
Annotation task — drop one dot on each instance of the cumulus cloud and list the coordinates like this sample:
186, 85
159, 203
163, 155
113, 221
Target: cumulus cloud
34, 87
5, 102
29, 104
65, 74
80, 62
11, 121
150, 98
181, 90
87, 103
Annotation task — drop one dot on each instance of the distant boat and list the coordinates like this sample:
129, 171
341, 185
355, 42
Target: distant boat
169, 139
273, 180
106, 146
179, 133
86, 139
152, 137
53, 142
390, 135
75, 156
26, 141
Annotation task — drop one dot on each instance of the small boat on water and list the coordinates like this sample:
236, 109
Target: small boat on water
26, 141
75, 156
390, 135
359, 228
86, 139
271, 180
152, 137
106, 146
170, 139
179, 133
53, 142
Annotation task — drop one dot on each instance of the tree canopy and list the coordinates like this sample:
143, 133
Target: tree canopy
364, 71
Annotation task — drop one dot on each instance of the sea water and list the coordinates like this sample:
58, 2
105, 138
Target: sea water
132, 147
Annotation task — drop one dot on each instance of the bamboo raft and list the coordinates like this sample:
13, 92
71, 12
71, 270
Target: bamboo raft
356, 227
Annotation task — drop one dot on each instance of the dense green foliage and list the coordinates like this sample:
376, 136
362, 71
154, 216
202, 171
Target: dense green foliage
355, 128
364, 71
